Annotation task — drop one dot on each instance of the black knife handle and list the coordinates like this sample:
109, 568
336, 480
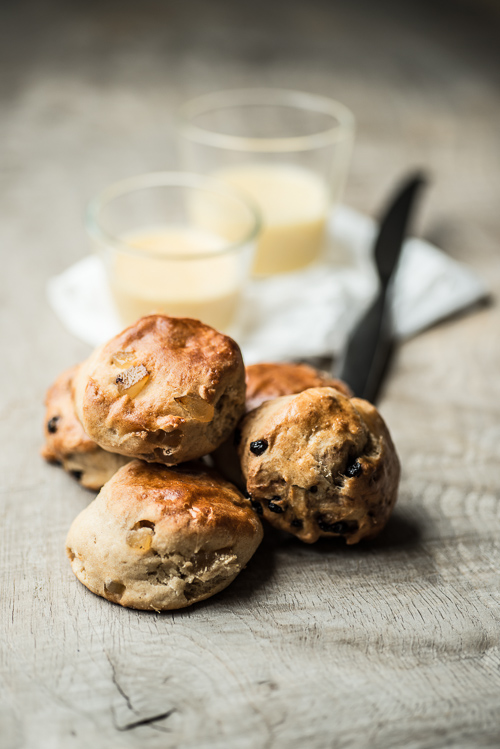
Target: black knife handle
370, 345
355, 368
393, 228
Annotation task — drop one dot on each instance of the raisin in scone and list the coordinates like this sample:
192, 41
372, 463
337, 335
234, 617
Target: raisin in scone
320, 464
266, 381
67, 444
166, 390
163, 538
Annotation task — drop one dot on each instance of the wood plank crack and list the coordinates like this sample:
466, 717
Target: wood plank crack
117, 684
149, 720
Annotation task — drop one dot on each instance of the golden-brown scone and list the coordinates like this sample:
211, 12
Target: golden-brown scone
66, 442
266, 381
163, 538
166, 389
320, 464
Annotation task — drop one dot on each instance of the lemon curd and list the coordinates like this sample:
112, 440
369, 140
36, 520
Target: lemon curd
165, 271
294, 204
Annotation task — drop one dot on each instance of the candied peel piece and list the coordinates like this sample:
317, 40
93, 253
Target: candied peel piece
122, 358
140, 539
197, 408
132, 381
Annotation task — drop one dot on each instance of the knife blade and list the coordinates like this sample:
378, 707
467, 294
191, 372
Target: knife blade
370, 345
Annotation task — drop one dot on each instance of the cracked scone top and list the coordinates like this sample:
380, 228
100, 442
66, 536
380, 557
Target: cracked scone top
163, 538
66, 442
320, 464
165, 390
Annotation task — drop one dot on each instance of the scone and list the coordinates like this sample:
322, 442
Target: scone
320, 464
265, 382
163, 538
166, 389
271, 380
66, 442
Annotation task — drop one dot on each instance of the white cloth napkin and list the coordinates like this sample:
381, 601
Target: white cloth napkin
302, 314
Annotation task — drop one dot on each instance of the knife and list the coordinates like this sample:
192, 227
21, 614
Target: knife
371, 343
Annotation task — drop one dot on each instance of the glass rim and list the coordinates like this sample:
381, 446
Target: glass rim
266, 96
167, 179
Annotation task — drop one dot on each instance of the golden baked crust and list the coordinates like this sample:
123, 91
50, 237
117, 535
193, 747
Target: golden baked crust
320, 464
66, 442
165, 390
266, 381
163, 538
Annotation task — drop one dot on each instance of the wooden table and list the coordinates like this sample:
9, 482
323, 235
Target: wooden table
390, 644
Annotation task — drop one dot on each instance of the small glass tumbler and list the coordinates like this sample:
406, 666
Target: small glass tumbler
175, 243
288, 151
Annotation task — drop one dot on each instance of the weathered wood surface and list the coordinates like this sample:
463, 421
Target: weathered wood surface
395, 643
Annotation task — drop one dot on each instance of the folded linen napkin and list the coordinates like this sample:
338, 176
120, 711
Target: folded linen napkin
302, 314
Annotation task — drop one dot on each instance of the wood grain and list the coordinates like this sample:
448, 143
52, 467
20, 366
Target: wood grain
394, 643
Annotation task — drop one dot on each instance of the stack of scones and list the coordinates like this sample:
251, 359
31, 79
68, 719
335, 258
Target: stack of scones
138, 419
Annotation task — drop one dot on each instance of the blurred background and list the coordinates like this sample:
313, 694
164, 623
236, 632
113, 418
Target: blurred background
89, 90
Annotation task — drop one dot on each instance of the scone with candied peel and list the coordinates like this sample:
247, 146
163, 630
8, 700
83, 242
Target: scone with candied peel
166, 389
67, 444
266, 381
320, 464
163, 538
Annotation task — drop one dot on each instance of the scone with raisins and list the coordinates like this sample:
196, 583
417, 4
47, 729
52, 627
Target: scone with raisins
163, 538
166, 389
320, 464
67, 444
266, 381
269, 380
